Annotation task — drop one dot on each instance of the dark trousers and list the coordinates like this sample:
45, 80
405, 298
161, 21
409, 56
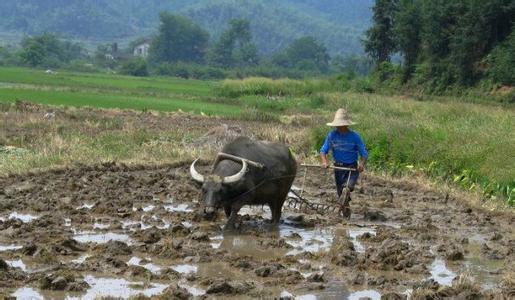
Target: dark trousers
341, 177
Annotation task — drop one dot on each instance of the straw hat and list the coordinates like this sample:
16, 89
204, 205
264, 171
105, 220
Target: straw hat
341, 118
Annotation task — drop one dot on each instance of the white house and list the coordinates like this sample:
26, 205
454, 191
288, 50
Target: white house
142, 49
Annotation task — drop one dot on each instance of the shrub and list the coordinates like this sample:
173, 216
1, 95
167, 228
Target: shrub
135, 67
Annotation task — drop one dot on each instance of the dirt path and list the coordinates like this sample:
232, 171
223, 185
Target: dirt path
119, 231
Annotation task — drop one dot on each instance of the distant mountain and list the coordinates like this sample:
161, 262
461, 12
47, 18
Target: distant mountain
275, 23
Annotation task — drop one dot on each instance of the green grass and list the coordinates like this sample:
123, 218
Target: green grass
111, 82
467, 143
81, 99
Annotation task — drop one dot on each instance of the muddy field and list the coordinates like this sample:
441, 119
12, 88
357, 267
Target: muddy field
111, 230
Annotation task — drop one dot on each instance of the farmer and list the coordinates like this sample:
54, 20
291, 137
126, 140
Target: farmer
346, 144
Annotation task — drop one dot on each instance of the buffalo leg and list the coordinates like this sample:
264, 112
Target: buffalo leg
235, 208
227, 210
276, 208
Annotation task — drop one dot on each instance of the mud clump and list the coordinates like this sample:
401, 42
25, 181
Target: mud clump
226, 288
176, 292
452, 252
396, 254
374, 215
115, 248
63, 282
343, 252
393, 296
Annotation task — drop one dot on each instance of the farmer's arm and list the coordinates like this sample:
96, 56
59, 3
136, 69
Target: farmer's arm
324, 150
363, 155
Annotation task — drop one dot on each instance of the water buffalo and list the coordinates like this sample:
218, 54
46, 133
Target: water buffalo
234, 183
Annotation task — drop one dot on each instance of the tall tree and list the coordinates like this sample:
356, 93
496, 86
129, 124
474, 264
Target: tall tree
235, 46
407, 29
305, 53
380, 43
179, 39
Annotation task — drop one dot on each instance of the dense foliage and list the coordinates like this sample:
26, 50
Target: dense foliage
47, 50
444, 43
179, 39
275, 24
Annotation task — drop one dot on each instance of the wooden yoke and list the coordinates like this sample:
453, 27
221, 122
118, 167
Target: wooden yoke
238, 159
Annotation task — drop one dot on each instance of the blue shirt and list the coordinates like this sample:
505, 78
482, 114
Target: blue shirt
345, 146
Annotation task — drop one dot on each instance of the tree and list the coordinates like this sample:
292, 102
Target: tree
179, 39
48, 51
379, 43
305, 54
235, 46
407, 30
502, 61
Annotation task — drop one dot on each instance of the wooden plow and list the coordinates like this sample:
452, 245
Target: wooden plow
297, 201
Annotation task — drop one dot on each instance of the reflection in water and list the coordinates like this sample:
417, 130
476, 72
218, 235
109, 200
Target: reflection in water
178, 208
136, 261
440, 273
185, 269
101, 238
25, 218
17, 264
99, 288
367, 294
85, 206
9, 247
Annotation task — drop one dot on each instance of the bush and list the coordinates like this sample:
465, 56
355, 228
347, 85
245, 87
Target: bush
502, 62
271, 87
185, 70
135, 67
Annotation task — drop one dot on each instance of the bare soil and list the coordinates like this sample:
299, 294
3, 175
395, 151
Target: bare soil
117, 230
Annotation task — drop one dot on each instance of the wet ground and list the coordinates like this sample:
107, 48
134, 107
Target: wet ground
111, 230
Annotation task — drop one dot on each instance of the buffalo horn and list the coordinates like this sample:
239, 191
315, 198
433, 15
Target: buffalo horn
238, 176
194, 174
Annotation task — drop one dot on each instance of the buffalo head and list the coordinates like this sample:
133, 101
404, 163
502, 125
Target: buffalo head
215, 186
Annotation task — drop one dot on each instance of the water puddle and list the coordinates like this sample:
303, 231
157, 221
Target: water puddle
367, 294
136, 261
216, 241
185, 269
85, 206
313, 241
81, 259
440, 273
25, 218
4, 248
100, 288
195, 291
483, 269
145, 224
178, 208
101, 238
101, 226
17, 264
148, 208
355, 233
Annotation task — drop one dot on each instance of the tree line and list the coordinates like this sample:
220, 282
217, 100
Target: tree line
183, 48
443, 43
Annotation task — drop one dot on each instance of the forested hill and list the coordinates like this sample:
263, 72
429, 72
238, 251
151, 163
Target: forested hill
339, 24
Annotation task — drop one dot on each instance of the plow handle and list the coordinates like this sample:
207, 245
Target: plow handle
329, 167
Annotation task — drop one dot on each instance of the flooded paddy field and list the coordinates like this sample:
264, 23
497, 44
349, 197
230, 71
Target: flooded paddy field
117, 231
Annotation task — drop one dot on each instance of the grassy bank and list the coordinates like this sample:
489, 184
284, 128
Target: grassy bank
463, 142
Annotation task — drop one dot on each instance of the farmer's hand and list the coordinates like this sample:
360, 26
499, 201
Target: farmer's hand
361, 167
325, 165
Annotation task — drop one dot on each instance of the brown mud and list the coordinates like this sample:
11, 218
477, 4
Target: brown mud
130, 230
124, 231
